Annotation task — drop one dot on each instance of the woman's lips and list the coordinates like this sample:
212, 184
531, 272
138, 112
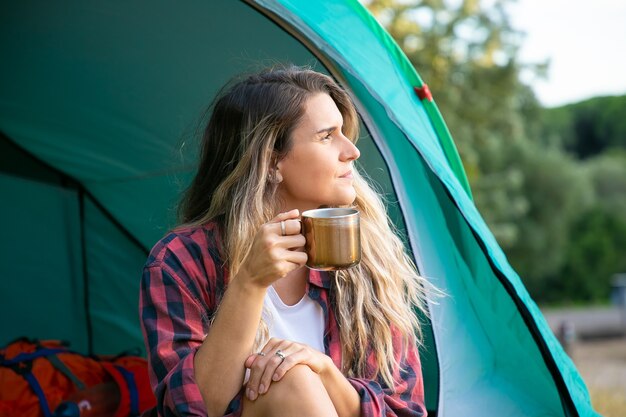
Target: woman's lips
347, 175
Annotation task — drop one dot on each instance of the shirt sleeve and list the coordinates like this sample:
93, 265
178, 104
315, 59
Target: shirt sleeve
175, 321
406, 399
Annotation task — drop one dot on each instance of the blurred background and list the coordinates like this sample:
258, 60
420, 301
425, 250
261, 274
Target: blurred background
534, 94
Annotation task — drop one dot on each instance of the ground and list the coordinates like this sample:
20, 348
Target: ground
602, 365
598, 349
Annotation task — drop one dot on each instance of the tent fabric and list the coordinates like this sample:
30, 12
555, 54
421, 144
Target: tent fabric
40, 242
100, 103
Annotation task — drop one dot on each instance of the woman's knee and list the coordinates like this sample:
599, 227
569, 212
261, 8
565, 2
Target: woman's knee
300, 390
301, 377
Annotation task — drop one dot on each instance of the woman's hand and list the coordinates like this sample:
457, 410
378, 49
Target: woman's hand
276, 359
277, 250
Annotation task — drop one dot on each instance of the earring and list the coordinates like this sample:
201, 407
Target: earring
275, 177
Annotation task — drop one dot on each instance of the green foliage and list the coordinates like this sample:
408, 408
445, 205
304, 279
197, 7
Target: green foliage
595, 248
558, 193
607, 173
595, 253
590, 127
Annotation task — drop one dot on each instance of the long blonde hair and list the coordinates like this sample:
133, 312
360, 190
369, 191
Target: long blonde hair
249, 130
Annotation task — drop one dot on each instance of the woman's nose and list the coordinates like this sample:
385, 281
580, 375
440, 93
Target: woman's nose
350, 151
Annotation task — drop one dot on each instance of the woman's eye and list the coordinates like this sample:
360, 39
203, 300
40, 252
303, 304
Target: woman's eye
329, 136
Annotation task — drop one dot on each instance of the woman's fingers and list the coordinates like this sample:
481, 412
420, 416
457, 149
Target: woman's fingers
287, 223
277, 249
250, 360
292, 227
291, 214
275, 360
291, 359
263, 367
296, 257
278, 359
286, 228
257, 368
293, 241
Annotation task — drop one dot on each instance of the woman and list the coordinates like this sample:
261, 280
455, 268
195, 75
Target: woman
234, 323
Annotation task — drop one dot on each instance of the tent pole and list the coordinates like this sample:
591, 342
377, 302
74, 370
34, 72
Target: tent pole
83, 246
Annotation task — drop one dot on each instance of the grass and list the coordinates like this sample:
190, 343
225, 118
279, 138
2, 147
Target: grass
608, 402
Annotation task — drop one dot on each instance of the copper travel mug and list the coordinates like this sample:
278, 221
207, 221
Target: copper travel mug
333, 238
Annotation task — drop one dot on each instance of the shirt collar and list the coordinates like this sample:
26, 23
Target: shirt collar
319, 278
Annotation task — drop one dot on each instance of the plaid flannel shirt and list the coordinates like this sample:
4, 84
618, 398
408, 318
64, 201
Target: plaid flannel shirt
183, 282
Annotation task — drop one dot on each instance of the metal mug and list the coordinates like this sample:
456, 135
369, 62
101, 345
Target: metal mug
333, 238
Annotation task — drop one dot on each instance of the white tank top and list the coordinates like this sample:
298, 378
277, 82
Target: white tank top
302, 322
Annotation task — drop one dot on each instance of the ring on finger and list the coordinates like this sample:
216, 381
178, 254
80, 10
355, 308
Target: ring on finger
281, 355
283, 228
261, 353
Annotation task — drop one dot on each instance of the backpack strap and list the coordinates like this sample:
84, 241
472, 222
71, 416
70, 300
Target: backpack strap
61, 367
34, 384
24, 368
129, 378
51, 355
28, 357
129, 393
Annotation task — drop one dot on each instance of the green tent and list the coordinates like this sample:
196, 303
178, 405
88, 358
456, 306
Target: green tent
98, 105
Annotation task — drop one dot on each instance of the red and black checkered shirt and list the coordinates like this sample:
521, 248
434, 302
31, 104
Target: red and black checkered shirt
183, 282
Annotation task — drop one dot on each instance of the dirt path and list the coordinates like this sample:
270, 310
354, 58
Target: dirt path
602, 364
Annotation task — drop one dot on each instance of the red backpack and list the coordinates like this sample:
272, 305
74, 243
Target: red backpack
37, 376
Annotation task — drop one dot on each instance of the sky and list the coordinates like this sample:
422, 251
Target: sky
585, 42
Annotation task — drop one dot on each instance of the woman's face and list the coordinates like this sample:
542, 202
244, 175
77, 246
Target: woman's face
317, 170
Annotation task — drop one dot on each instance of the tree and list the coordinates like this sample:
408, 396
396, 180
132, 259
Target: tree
588, 128
595, 253
558, 194
607, 173
596, 249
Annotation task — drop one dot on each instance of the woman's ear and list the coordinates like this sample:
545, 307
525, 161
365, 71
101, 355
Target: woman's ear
274, 176
274, 172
